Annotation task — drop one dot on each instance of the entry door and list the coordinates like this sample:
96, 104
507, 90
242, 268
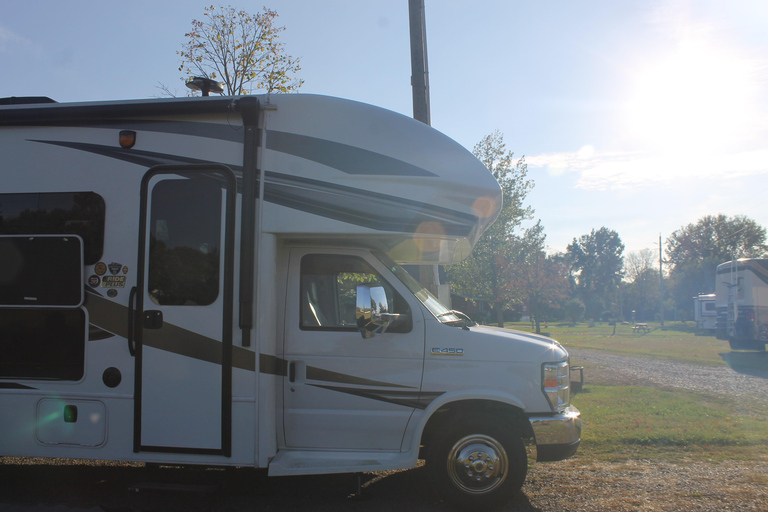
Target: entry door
343, 391
184, 311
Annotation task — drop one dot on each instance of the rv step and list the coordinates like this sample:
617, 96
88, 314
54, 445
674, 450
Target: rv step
175, 487
301, 462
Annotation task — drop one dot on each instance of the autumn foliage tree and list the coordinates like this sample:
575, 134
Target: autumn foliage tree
540, 280
240, 50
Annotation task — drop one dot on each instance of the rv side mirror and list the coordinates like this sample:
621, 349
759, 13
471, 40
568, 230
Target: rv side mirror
372, 311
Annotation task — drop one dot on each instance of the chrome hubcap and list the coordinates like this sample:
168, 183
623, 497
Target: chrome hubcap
477, 464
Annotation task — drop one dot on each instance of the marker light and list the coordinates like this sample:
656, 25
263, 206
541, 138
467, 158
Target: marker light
127, 139
556, 378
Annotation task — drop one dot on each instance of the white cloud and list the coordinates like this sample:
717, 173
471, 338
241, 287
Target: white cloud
8, 39
616, 170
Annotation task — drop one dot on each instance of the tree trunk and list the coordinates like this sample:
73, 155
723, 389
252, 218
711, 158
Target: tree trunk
499, 314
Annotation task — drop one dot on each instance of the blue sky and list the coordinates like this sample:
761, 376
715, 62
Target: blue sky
637, 116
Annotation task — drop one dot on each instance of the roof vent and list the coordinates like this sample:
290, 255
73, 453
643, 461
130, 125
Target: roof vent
205, 85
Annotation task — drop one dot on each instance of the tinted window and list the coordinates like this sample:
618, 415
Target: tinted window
42, 343
185, 240
41, 271
56, 213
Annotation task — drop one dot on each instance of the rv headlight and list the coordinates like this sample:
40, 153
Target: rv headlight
556, 384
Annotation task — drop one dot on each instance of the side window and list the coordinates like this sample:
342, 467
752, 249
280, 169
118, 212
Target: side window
42, 343
41, 271
328, 293
56, 213
185, 241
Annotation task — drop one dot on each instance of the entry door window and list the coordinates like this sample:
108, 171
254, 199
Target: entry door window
184, 244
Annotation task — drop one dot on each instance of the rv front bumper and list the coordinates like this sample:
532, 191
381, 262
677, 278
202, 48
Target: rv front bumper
557, 435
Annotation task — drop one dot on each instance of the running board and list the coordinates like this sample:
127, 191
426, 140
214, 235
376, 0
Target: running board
311, 462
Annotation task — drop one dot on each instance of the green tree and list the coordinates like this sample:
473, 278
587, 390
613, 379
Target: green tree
596, 262
694, 251
642, 283
241, 50
574, 310
487, 274
716, 237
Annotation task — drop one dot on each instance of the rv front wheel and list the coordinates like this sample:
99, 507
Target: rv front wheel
476, 465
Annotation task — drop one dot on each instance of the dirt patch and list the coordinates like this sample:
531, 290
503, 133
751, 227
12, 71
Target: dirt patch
642, 485
573, 485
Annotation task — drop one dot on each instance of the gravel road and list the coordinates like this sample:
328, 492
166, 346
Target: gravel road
746, 379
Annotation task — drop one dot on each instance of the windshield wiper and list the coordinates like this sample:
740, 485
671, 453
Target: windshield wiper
465, 322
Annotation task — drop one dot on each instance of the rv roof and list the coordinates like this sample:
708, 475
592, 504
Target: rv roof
331, 167
25, 100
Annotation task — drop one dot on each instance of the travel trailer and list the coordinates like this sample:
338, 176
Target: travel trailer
742, 303
217, 281
704, 312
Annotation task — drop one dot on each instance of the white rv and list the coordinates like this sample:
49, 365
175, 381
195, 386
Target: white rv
742, 303
214, 281
704, 312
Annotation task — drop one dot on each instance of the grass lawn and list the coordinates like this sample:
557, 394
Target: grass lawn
678, 341
626, 422
623, 422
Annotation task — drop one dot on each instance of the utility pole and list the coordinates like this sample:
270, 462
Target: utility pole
428, 274
419, 67
661, 285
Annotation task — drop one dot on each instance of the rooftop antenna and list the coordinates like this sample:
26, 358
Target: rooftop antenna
205, 85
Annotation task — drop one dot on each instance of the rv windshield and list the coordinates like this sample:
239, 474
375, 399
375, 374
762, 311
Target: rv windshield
431, 302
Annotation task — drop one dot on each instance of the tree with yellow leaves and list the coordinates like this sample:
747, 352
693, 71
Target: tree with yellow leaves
240, 50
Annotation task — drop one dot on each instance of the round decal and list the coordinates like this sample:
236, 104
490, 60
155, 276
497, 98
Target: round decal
94, 281
100, 268
111, 293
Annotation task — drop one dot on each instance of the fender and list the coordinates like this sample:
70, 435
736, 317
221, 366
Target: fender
460, 395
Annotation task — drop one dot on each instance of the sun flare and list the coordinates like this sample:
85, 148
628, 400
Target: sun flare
697, 98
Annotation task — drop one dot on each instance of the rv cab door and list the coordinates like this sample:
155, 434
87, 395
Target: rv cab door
183, 319
345, 391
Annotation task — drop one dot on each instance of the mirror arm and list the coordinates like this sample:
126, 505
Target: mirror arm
387, 318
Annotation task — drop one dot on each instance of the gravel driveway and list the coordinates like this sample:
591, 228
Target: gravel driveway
746, 381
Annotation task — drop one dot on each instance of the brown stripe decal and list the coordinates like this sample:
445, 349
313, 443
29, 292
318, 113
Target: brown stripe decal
113, 317
415, 399
341, 378
273, 365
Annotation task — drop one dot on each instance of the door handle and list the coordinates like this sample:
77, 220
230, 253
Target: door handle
291, 372
132, 321
153, 319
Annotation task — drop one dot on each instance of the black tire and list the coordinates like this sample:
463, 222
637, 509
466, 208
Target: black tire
477, 465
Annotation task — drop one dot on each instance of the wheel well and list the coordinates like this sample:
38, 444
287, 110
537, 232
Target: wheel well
452, 412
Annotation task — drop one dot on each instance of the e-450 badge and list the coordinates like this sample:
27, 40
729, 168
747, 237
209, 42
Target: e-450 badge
437, 351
